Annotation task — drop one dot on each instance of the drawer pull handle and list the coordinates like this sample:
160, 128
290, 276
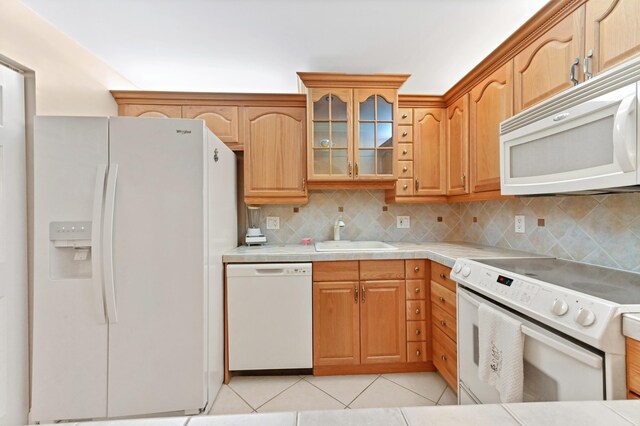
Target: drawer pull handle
418, 311
404, 133
363, 295
443, 276
418, 332
405, 152
405, 186
356, 289
444, 358
417, 289
405, 115
405, 168
418, 352
417, 269
441, 299
443, 323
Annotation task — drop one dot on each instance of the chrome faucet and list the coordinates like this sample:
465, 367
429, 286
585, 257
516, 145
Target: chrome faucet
336, 228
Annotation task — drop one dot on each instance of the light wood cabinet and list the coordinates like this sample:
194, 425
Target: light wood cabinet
491, 103
633, 368
429, 151
443, 323
542, 69
458, 146
151, 111
612, 33
274, 163
222, 120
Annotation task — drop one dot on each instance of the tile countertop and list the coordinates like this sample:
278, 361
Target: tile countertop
444, 253
631, 325
597, 413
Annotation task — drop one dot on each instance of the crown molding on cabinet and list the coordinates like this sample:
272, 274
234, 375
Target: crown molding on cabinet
421, 101
336, 80
141, 97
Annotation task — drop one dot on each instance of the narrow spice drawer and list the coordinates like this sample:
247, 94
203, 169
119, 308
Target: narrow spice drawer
381, 269
405, 134
406, 116
440, 274
445, 357
633, 365
417, 331
415, 290
416, 310
404, 187
443, 298
416, 268
405, 151
405, 169
444, 322
416, 351
346, 270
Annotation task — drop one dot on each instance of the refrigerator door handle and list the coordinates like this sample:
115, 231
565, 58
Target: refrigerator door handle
96, 242
110, 288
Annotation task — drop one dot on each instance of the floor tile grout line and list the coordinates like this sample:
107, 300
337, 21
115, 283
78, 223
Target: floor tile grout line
442, 394
278, 394
239, 396
364, 390
410, 390
327, 393
404, 417
618, 413
512, 414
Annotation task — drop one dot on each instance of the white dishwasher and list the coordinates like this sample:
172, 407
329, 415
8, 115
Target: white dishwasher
269, 311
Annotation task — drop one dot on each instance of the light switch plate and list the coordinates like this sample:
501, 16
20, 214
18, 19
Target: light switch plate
520, 224
273, 222
403, 222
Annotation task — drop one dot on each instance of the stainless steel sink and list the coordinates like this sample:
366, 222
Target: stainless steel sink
354, 246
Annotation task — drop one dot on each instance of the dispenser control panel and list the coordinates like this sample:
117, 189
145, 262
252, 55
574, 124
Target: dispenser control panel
70, 231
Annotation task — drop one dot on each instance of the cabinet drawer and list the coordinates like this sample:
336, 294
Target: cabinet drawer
405, 116
415, 289
444, 357
381, 269
405, 134
416, 310
444, 322
336, 271
443, 298
417, 352
404, 187
440, 274
633, 365
405, 151
405, 169
416, 331
416, 268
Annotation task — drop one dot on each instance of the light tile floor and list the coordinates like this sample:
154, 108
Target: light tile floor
248, 394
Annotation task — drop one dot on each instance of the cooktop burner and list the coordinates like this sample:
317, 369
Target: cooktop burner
609, 284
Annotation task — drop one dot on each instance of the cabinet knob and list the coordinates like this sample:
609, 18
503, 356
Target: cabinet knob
405, 168
405, 152
418, 332
405, 115
404, 133
418, 352
441, 299
417, 289
417, 269
418, 311
405, 186
443, 323
443, 276
444, 358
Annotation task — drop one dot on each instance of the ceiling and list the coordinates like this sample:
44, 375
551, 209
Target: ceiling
258, 45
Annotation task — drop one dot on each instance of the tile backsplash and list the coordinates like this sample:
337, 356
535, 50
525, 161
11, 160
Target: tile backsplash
601, 229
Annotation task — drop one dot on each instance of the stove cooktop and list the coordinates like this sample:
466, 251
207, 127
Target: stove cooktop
604, 283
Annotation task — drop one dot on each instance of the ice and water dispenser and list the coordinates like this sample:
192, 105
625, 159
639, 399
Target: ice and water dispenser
70, 250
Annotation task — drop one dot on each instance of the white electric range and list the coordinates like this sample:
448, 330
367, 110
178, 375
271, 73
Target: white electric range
571, 315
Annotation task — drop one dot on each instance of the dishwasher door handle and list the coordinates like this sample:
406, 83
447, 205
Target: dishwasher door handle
267, 271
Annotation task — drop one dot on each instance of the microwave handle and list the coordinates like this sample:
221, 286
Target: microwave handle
624, 137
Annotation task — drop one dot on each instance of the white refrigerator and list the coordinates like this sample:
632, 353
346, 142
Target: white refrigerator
131, 218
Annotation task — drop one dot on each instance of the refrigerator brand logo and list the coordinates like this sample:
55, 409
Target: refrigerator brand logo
184, 132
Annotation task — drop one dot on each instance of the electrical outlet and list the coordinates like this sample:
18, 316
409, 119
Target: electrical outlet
519, 224
273, 222
403, 222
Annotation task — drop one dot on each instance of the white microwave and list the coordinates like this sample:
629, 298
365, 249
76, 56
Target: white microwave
584, 140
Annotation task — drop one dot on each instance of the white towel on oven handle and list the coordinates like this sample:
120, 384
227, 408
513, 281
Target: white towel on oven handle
501, 347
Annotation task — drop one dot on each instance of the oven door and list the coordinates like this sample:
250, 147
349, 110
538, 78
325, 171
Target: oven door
555, 369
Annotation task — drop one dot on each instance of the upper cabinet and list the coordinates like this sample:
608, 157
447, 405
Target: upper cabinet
458, 146
352, 129
490, 103
429, 151
222, 120
612, 33
151, 111
551, 64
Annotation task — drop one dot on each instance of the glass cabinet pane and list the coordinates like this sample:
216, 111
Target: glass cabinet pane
321, 161
339, 134
367, 111
367, 135
385, 162
338, 109
384, 109
321, 137
384, 135
367, 162
321, 108
339, 161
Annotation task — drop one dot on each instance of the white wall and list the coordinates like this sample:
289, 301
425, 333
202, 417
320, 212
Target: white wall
69, 79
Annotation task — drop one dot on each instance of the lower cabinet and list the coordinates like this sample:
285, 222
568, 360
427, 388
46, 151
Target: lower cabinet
633, 368
443, 324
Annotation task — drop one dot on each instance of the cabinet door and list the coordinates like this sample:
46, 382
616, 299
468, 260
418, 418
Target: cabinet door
330, 134
383, 328
429, 151
221, 120
274, 156
543, 68
336, 323
151, 111
612, 32
375, 134
491, 103
458, 146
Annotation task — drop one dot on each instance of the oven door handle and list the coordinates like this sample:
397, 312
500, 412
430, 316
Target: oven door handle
583, 356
